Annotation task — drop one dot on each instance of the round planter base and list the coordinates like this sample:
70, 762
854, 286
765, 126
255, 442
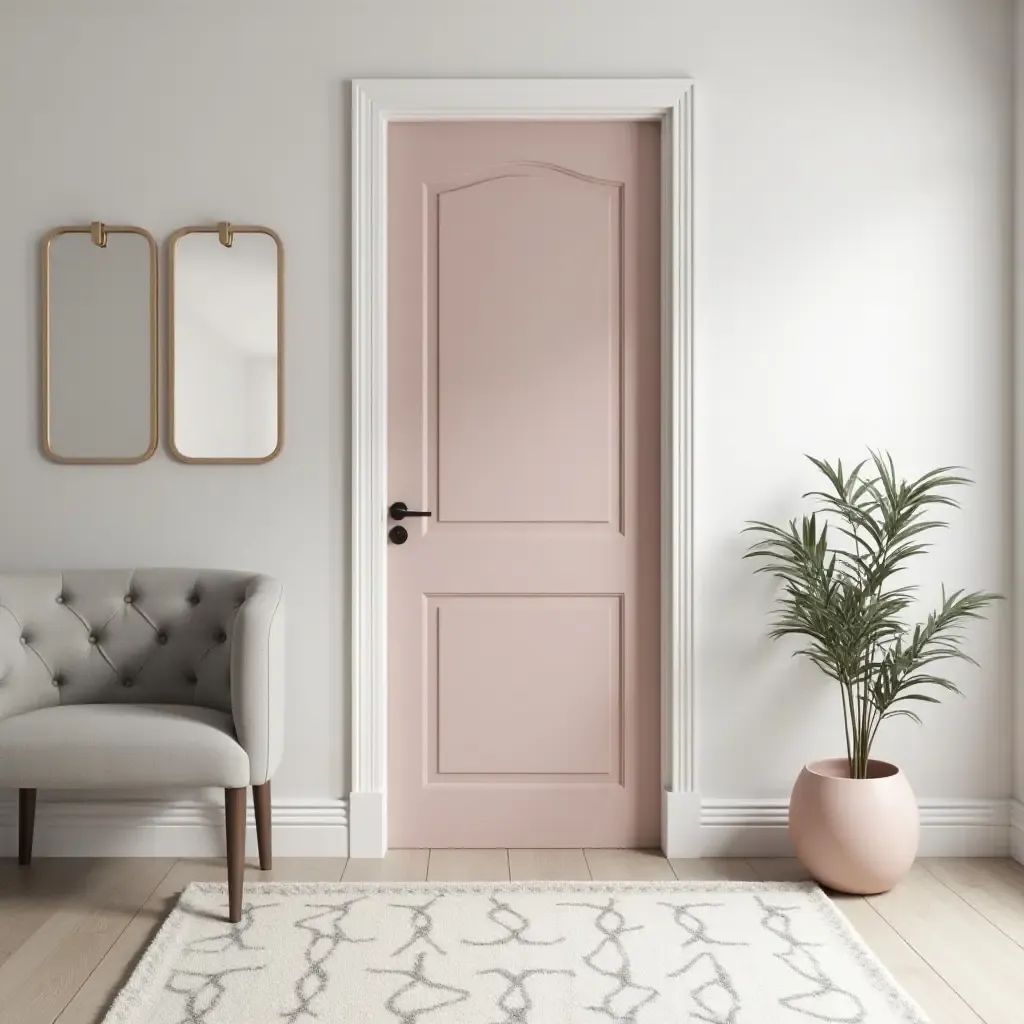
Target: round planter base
857, 836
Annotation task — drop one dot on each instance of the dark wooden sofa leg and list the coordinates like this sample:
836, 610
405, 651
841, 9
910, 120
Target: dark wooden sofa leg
26, 824
264, 827
234, 820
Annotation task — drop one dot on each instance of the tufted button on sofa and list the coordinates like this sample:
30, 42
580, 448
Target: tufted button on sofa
144, 678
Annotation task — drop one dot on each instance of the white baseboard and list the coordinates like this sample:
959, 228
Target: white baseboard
155, 828
949, 828
1017, 830
321, 828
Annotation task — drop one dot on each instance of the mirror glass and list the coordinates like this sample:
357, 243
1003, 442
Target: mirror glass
99, 346
226, 345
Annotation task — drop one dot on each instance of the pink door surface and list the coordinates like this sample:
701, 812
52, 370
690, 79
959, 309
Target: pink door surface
523, 392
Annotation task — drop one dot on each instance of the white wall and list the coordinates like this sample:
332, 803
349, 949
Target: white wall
853, 261
1017, 811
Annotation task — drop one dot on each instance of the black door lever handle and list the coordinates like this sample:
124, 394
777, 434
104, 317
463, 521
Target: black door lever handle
399, 511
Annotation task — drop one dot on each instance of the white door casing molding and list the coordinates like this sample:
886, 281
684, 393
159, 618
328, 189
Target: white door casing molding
375, 104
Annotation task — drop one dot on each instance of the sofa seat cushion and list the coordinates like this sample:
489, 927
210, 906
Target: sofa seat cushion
81, 746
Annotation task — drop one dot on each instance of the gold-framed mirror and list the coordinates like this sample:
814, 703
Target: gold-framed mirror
100, 354
226, 314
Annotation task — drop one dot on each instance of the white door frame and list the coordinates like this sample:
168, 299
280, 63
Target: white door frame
375, 104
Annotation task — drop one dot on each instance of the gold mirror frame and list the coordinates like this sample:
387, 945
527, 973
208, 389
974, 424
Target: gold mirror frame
225, 232
99, 232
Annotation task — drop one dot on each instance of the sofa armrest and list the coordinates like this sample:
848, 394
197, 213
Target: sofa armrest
257, 677
7, 705
20, 691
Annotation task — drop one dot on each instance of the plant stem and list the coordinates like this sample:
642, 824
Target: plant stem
865, 706
874, 730
843, 686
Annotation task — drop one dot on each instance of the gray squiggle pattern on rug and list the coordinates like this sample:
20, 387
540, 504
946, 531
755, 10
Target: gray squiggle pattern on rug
626, 1000
716, 996
799, 959
422, 985
716, 990
515, 1001
203, 991
422, 926
695, 927
234, 937
322, 945
514, 931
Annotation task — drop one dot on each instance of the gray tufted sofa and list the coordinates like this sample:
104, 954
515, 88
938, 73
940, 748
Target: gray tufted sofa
147, 677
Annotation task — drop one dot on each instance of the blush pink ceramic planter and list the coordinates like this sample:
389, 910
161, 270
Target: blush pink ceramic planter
854, 835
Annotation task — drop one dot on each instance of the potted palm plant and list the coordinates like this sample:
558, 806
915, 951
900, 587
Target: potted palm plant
853, 819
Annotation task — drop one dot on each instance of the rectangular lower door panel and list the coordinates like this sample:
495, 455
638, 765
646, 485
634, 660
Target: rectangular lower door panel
524, 688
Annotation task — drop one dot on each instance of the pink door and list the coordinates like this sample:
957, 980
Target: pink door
524, 416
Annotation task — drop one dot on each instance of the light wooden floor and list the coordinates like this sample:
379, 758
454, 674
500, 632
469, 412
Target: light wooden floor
71, 930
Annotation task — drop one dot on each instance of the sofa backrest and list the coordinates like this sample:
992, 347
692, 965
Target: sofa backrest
154, 636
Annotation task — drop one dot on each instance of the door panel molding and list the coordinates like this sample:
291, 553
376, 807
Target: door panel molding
519, 737
376, 103
468, 490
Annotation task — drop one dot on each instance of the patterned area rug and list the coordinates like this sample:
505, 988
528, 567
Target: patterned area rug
520, 953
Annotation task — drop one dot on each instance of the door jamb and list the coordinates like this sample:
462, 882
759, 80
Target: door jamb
375, 104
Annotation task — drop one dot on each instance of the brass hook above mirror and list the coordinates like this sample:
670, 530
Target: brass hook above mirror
98, 230
225, 233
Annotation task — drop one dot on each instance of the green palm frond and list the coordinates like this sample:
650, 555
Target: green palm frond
837, 568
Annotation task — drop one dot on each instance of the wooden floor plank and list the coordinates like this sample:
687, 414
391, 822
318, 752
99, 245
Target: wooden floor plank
36, 950
94, 997
714, 869
548, 866
994, 887
980, 962
629, 866
36, 989
920, 981
30, 895
779, 869
397, 866
286, 869
468, 866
